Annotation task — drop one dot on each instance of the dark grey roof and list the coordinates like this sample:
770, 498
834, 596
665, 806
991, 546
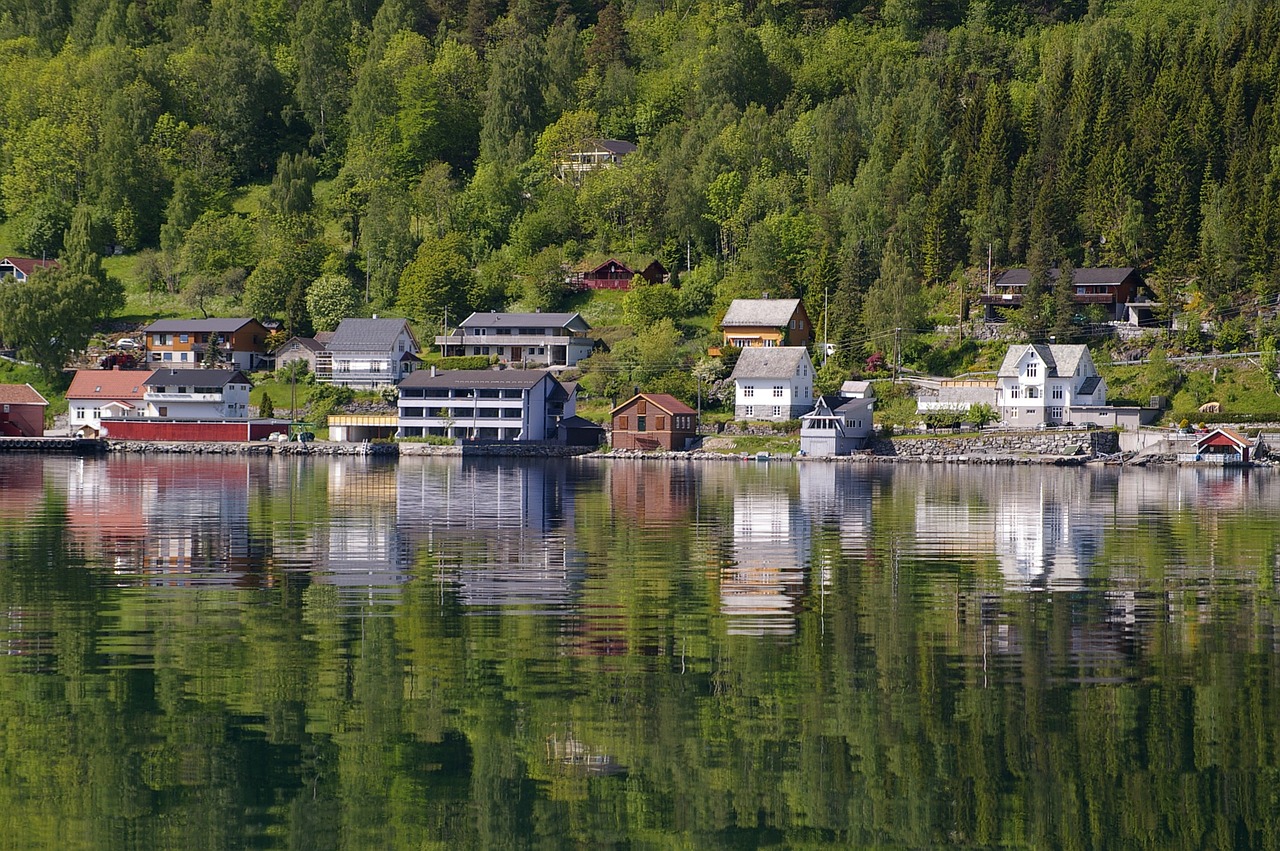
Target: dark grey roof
578, 422
616, 146
309, 343
1091, 276
526, 320
770, 362
186, 326
510, 379
760, 312
367, 335
196, 377
1089, 385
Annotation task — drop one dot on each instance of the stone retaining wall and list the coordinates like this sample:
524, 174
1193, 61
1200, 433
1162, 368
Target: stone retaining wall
1000, 444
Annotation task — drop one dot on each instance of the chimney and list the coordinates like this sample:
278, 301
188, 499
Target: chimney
764, 295
375, 316
433, 370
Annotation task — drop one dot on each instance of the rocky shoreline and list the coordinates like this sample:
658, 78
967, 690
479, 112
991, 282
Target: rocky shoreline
1075, 448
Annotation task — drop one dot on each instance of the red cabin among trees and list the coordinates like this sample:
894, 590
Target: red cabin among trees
615, 274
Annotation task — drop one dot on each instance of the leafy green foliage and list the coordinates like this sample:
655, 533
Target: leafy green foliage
52, 315
868, 161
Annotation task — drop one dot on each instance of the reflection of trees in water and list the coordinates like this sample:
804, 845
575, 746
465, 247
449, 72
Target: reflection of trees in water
919, 700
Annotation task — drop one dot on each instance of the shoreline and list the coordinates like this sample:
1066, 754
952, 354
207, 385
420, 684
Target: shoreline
986, 451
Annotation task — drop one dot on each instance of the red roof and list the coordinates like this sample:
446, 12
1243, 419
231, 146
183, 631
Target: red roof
110, 384
1214, 438
665, 401
20, 394
27, 265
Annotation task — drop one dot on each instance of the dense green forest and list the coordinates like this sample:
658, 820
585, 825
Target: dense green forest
399, 155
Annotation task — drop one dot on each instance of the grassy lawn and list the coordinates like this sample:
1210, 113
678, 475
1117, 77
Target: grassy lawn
780, 444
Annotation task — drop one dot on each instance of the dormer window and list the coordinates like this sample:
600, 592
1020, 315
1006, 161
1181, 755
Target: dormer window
1033, 369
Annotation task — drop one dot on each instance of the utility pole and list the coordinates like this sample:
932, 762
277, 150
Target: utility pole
826, 326
897, 351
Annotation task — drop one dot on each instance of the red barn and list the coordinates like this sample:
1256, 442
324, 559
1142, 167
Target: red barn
653, 421
21, 411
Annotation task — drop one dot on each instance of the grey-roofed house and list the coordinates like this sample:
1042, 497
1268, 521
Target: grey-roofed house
591, 155
837, 425
544, 339
196, 394
1109, 287
238, 342
1050, 384
774, 383
751, 322
485, 404
370, 353
312, 350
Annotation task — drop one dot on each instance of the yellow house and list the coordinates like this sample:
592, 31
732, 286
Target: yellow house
753, 322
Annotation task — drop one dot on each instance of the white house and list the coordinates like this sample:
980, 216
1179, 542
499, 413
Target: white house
196, 394
98, 393
837, 425
1050, 384
484, 404
547, 339
773, 383
368, 353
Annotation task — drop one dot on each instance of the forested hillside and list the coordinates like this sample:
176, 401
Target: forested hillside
873, 154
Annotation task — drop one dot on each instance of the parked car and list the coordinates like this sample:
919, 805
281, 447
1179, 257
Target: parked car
126, 343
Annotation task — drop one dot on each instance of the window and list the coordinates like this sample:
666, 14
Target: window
1013, 413
640, 423
1033, 369
748, 411
168, 355
1033, 393
1055, 414
748, 391
183, 338
777, 411
622, 423
770, 343
1015, 392
163, 411
777, 391
660, 423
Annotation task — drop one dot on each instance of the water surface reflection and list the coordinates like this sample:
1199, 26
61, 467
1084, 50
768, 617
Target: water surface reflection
216, 652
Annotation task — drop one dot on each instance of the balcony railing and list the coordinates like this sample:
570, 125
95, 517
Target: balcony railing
509, 340
182, 397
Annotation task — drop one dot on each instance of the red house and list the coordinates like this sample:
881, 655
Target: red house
653, 421
615, 274
1223, 446
21, 411
22, 268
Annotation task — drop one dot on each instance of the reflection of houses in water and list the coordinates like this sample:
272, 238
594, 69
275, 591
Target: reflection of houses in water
771, 542
573, 755
652, 494
1043, 528
491, 527
362, 548
176, 520
22, 489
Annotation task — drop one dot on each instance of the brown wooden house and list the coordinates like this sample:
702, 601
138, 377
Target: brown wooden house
615, 273
653, 421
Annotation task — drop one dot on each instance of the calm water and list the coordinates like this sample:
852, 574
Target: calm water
312, 654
